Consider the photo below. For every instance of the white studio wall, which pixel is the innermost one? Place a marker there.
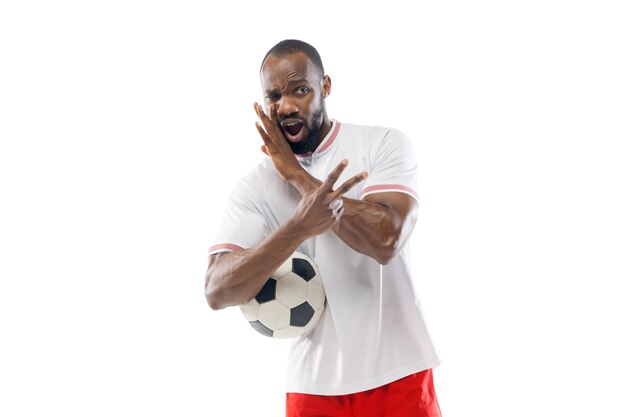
(124, 125)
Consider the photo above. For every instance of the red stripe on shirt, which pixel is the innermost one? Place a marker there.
(228, 246)
(388, 187)
(332, 138)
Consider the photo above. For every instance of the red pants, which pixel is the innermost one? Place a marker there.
(412, 396)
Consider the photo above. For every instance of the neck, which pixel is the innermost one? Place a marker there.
(326, 124)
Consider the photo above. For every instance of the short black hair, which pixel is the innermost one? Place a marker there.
(289, 46)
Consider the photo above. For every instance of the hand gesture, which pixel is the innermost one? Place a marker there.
(275, 145)
(322, 208)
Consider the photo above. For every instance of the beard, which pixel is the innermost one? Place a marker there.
(308, 144)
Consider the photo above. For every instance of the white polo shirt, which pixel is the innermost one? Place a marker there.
(372, 331)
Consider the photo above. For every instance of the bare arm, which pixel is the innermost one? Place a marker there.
(377, 226)
(234, 278)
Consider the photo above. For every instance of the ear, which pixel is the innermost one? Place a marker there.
(326, 84)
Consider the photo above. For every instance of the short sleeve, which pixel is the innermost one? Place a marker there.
(243, 225)
(393, 167)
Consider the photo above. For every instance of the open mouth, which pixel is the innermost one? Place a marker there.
(292, 129)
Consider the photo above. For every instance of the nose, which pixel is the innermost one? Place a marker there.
(286, 106)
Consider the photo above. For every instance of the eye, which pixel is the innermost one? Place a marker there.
(302, 90)
(273, 96)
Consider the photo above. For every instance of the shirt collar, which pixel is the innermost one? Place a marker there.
(326, 143)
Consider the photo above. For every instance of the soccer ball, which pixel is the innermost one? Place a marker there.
(291, 302)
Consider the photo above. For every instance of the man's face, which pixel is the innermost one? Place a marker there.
(296, 87)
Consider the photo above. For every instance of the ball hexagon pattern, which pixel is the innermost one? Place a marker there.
(291, 302)
(291, 290)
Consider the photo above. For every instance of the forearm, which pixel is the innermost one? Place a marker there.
(236, 277)
(369, 228)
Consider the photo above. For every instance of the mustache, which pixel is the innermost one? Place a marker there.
(282, 118)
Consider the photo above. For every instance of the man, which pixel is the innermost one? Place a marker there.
(345, 196)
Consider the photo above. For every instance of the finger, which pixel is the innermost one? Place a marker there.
(334, 175)
(261, 114)
(273, 116)
(258, 109)
(264, 150)
(264, 135)
(269, 122)
(346, 186)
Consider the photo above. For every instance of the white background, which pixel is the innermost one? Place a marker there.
(124, 125)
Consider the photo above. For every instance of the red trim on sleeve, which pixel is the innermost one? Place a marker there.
(228, 246)
(388, 187)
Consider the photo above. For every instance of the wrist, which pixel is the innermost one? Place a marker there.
(293, 231)
(303, 181)
(293, 174)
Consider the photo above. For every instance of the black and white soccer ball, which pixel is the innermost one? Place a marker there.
(291, 302)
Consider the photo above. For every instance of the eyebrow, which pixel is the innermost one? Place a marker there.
(290, 82)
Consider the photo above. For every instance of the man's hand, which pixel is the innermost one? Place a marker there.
(234, 278)
(275, 145)
(322, 207)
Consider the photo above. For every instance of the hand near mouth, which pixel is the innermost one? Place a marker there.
(275, 145)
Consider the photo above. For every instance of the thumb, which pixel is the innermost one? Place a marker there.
(264, 150)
